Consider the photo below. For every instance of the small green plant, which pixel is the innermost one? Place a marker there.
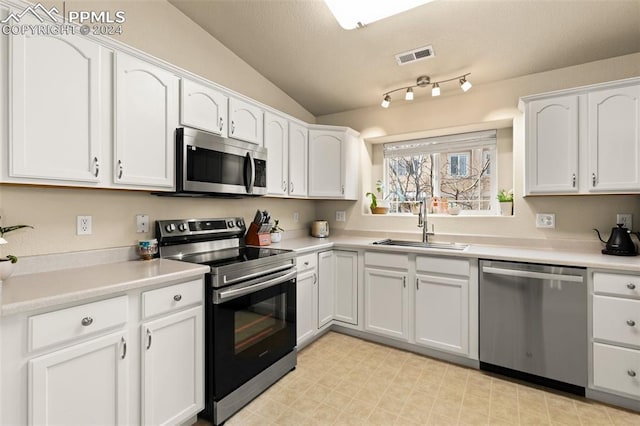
(276, 226)
(505, 196)
(374, 197)
(6, 229)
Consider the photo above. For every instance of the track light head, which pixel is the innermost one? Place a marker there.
(435, 90)
(465, 84)
(386, 101)
(409, 95)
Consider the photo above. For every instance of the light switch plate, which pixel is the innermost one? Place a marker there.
(296, 217)
(142, 223)
(341, 216)
(545, 220)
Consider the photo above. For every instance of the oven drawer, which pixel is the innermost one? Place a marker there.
(306, 262)
(171, 298)
(76, 322)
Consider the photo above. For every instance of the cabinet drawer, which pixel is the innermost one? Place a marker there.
(616, 369)
(306, 262)
(443, 265)
(73, 323)
(174, 297)
(619, 284)
(386, 260)
(616, 320)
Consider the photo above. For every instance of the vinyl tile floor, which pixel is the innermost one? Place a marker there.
(342, 380)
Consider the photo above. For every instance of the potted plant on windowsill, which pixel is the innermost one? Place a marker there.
(276, 232)
(378, 204)
(506, 202)
(7, 263)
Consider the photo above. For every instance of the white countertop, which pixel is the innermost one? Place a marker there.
(588, 259)
(29, 292)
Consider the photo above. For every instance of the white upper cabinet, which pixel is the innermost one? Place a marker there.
(146, 116)
(584, 140)
(55, 101)
(245, 121)
(298, 159)
(203, 108)
(614, 139)
(552, 145)
(276, 140)
(333, 163)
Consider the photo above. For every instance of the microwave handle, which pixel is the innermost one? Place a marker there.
(249, 177)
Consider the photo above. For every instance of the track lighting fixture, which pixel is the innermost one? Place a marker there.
(424, 81)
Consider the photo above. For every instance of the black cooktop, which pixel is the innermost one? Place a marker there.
(218, 258)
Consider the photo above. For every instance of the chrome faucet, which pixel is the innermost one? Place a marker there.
(422, 222)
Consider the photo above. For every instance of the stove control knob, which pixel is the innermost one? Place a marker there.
(182, 227)
(239, 223)
(230, 224)
(170, 227)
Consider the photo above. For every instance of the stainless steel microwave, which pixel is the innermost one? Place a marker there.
(208, 164)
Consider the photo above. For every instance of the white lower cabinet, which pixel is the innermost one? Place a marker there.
(172, 367)
(306, 298)
(346, 286)
(82, 384)
(615, 340)
(326, 287)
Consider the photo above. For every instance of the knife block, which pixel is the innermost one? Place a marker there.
(254, 238)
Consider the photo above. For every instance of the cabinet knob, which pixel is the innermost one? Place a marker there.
(631, 286)
(87, 321)
(631, 373)
(631, 323)
(306, 263)
(177, 297)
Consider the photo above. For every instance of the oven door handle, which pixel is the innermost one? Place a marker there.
(257, 274)
(238, 292)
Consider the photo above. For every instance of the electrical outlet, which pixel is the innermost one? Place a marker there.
(341, 216)
(545, 220)
(626, 219)
(83, 225)
(296, 217)
(142, 223)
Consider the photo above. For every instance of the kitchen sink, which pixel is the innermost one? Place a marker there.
(420, 244)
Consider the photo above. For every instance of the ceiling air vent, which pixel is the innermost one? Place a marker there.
(415, 55)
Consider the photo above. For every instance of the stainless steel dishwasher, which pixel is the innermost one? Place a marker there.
(533, 323)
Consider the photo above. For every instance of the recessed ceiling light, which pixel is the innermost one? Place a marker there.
(352, 14)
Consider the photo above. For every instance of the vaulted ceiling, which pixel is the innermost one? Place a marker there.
(299, 46)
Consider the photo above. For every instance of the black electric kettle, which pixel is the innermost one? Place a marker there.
(619, 243)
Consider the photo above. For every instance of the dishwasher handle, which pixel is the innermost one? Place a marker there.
(530, 274)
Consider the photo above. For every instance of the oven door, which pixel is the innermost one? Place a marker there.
(249, 329)
(207, 163)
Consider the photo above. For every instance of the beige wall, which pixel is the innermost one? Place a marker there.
(453, 112)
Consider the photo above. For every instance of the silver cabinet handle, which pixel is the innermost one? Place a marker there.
(417, 283)
(233, 127)
(593, 179)
(342, 189)
(124, 348)
(221, 124)
(284, 186)
(148, 339)
(631, 286)
(87, 321)
(631, 323)
(404, 282)
(315, 278)
(291, 186)
(120, 169)
(306, 263)
(573, 180)
(97, 166)
(631, 373)
(177, 297)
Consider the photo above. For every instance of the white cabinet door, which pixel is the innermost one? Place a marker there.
(146, 113)
(552, 145)
(298, 159)
(81, 385)
(326, 287)
(55, 99)
(326, 163)
(386, 303)
(276, 140)
(172, 368)
(246, 121)
(614, 139)
(203, 108)
(346, 286)
(442, 313)
(306, 306)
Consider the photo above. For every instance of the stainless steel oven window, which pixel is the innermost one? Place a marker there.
(259, 321)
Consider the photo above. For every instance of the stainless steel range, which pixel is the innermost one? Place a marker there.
(250, 309)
